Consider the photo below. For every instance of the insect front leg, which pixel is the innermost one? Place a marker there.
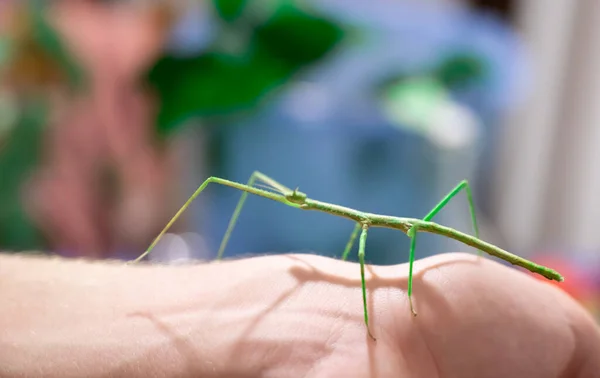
(350, 243)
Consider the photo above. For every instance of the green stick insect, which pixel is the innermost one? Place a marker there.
(294, 198)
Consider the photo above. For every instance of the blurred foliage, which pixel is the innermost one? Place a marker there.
(258, 47)
(38, 57)
(460, 70)
(453, 72)
(51, 44)
(410, 100)
(276, 42)
(229, 10)
(35, 60)
(19, 156)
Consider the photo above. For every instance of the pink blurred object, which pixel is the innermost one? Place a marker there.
(580, 280)
(109, 127)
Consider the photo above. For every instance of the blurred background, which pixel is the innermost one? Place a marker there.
(113, 112)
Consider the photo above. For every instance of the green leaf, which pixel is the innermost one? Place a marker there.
(18, 158)
(297, 37)
(461, 70)
(229, 10)
(219, 83)
(212, 84)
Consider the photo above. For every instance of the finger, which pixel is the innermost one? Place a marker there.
(478, 318)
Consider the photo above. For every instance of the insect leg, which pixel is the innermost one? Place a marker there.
(462, 185)
(217, 180)
(350, 243)
(361, 258)
(256, 175)
(412, 233)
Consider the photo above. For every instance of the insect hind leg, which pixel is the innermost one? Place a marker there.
(350, 243)
(463, 185)
(412, 232)
(256, 176)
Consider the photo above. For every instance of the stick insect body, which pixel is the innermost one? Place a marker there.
(363, 221)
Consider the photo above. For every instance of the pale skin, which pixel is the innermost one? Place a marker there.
(287, 316)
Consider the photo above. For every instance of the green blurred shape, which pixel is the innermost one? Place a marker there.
(461, 70)
(20, 150)
(210, 85)
(19, 156)
(220, 83)
(296, 37)
(229, 10)
(48, 38)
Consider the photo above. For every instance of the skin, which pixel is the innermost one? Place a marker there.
(287, 316)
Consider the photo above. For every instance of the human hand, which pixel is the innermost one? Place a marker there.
(288, 316)
(476, 318)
